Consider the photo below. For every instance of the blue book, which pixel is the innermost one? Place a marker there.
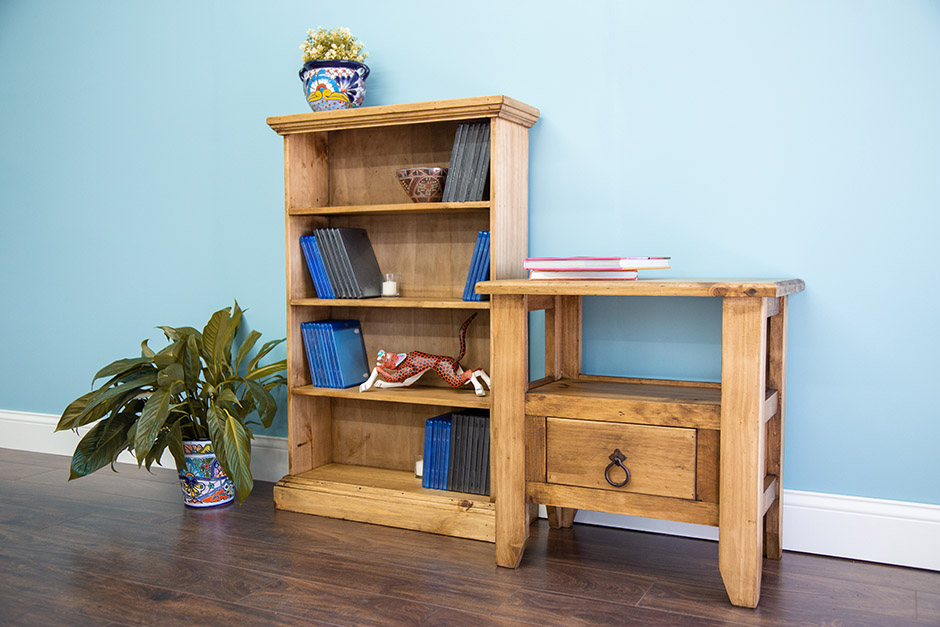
(483, 270)
(445, 451)
(426, 472)
(351, 364)
(307, 331)
(321, 269)
(474, 263)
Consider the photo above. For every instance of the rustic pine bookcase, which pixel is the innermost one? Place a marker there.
(352, 454)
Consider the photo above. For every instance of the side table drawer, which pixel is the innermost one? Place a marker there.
(661, 460)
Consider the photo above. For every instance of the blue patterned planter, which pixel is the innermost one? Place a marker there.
(334, 84)
(202, 480)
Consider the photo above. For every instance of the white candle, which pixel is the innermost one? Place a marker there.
(389, 288)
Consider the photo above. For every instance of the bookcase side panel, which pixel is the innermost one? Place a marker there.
(308, 433)
(509, 195)
(364, 162)
(306, 166)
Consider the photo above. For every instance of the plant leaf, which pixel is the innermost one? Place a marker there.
(145, 350)
(105, 400)
(265, 349)
(246, 347)
(101, 445)
(211, 334)
(174, 441)
(75, 409)
(265, 371)
(264, 403)
(237, 445)
(152, 418)
(121, 366)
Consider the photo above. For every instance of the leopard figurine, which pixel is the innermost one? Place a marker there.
(403, 369)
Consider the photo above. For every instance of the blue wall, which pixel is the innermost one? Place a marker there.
(141, 186)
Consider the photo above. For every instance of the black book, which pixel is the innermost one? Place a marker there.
(482, 167)
(366, 276)
(450, 183)
(486, 455)
(326, 253)
(452, 462)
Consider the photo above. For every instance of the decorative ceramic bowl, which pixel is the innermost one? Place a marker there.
(423, 184)
(334, 84)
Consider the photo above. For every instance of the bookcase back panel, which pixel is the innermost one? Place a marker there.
(384, 435)
(430, 331)
(309, 433)
(429, 253)
(363, 162)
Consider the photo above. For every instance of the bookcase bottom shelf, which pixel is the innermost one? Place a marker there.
(393, 498)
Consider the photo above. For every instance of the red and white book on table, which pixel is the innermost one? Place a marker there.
(595, 264)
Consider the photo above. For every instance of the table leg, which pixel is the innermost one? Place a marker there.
(743, 379)
(777, 380)
(507, 422)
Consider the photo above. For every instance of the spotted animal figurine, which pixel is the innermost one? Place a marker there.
(403, 369)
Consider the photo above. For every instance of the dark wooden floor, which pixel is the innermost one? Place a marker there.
(121, 549)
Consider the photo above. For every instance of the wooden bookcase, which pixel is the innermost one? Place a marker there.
(352, 454)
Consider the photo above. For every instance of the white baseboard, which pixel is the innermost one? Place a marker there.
(875, 530)
(36, 432)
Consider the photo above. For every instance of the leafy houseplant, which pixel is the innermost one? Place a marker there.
(333, 74)
(192, 389)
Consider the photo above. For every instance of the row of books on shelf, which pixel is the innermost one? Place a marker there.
(457, 452)
(479, 267)
(469, 163)
(342, 263)
(336, 353)
(591, 268)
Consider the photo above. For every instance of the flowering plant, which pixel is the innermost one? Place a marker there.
(338, 43)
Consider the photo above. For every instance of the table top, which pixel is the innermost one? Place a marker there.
(751, 288)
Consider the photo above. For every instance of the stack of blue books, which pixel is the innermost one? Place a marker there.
(457, 452)
(479, 267)
(336, 353)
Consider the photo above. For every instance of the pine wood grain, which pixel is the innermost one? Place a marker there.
(743, 288)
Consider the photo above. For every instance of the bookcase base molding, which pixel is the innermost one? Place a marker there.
(703, 453)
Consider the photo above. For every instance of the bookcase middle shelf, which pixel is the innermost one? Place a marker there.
(393, 208)
(414, 395)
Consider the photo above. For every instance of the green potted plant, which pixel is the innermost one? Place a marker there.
(333, 74)
(193, 398)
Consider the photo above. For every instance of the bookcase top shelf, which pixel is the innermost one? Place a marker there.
(501, 107)
(753, 288)
(397, 208)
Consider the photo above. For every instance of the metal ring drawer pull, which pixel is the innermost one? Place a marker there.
(616, 459)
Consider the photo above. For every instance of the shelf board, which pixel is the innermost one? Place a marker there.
(386, 497)
(398, 302)
(415, 395)
(393, 208)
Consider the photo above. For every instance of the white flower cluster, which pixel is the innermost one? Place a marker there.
(338, 43)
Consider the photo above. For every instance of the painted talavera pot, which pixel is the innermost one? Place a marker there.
(202, 480)
(334, 84)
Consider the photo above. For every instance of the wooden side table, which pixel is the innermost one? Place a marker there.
(705, 453)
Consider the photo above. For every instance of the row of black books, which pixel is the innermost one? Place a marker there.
(469, 163)
(457, 452)
(479, 267)
(342, 263)
(336, 353)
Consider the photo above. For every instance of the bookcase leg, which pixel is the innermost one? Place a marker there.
(507, 420)
(743, 377)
